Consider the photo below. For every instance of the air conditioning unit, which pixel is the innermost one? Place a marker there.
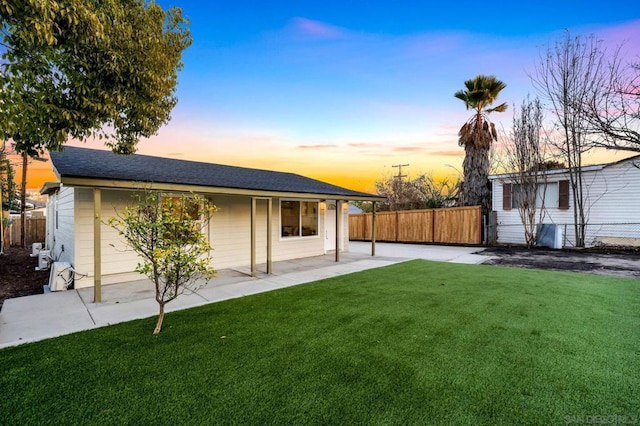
(35, 249)
(61, 276)
(44, 259)
(550, 235)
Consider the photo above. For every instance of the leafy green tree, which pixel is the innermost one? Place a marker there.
(476, 136)
(7, 182)
(167, 233)
(79, 69)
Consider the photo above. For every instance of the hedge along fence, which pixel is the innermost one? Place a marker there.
(456, 225)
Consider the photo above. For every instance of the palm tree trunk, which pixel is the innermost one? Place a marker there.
(475, 191)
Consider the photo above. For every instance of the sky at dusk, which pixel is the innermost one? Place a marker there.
(343, 90)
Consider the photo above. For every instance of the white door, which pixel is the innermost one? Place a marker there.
(330, 227)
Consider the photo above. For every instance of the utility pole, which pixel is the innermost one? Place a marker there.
(23, 199)
(397, 185)
(400, 166)
(2, 158)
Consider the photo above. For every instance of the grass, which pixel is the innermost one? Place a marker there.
(414, 343)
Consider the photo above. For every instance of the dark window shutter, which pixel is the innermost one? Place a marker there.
(563, 194)
(507, 190)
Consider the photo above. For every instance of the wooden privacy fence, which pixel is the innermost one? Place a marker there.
(456, 225)
(35, 231)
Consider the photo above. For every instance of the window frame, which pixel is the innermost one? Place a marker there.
(300, 227)
(199, 222)
(178, 196)
(561, 201)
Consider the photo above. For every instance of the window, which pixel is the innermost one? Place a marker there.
(182, 208)
(554, 194)
(549, 193)
(298, 218)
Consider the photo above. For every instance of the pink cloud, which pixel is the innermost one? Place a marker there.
(316, 29)
(408, 149)
(458, 153)
(364, 145)
(625, 35)
(315, 147)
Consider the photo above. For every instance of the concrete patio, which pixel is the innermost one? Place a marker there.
(33, 318)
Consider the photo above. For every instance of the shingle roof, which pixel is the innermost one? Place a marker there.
(76, 162)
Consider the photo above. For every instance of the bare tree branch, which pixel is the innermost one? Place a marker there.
(573, 70)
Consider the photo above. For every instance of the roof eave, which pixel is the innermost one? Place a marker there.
(173, 187)
(49, 187)
(551, 172)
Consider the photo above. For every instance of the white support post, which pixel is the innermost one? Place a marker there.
(97, 243)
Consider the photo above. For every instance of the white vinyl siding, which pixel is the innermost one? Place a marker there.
(52, 218)
(611, 196)
(118, 261)
(229, 232)
(614, 198)
(62, 241)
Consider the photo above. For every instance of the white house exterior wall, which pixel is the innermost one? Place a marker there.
(510, 229)
(614, 199)
(51, 219)
(229, 233)
(118, 261)
(611, 197)
(61, 241)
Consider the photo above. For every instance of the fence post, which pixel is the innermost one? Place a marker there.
(492, 228)
(373, 229)
(397, 231)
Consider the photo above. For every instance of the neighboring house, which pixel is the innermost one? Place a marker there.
(612, 204)
(262, 216)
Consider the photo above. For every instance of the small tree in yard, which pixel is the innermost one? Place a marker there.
(166, 232)
(526, 158)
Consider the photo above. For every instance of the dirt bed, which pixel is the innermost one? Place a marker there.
(615, 262)
(18, 276)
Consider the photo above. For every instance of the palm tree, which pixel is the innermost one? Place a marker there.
(476, 135)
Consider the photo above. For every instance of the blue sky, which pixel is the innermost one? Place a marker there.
(341, 91)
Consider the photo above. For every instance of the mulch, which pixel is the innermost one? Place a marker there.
(18, 276)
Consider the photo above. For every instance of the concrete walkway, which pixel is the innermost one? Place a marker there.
(32, 318)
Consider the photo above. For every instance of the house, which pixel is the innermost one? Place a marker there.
(262, 216)
(611, 199)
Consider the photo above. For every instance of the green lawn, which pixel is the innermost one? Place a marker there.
(414, 343)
